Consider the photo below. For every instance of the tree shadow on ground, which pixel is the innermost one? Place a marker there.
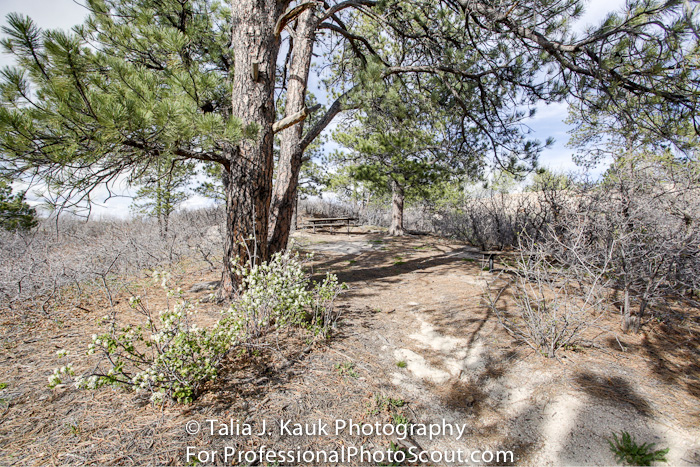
(673, 354)
(523, 436)
(520, 434)
(573, 429)
(612, 406)
(479, 393)
(381, 271)
(613, 390)
(670, 343)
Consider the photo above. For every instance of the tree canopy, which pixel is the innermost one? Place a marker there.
(137, 82)
(149, 79)
(162, 188)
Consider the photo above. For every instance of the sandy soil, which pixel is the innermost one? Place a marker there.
(416, 341)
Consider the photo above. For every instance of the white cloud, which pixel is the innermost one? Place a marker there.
(595, 12)
(555, 111)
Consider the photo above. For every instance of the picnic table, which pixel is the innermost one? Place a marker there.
(331, 222)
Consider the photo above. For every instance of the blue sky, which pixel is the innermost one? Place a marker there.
(547, 122)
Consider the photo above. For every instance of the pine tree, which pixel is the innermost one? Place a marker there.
(162, 188)
(138, 86)
(147, 79)
(15, 213)
(402, 148)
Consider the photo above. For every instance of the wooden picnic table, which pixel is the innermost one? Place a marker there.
(331, 222)
(331, 219)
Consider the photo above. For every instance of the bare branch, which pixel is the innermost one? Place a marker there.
(181, 152)
(290, 120)
(353, 38)
(343, 5)
(338, 106)
(291, 14)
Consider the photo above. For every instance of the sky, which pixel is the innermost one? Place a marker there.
(547, 122)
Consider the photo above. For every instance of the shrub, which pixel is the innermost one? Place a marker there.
(167, 355)
(67, 255)
(170, 356)
(279, 293)
(554, 302)
(275, 294)
(324, 315)
(648, 206)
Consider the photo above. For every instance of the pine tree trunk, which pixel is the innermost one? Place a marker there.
(159, 206)
(291, 152)
(166, 222)
(397, 199)
(248, 176)
(167, 201)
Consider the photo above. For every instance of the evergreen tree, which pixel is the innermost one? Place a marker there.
(545, 179)
(137, 86)
(15, 213)
(402, 148)
(153, 78)
(162, 188)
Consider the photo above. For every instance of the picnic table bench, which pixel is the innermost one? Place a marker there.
(330, 222)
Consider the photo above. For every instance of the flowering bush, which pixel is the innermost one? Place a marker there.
(278, 293)
(324, 314)
(274, 293)
(169, 355)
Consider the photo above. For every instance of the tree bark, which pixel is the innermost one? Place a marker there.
(397, 199)
(284, 194)
(248, 173)
(291, 150)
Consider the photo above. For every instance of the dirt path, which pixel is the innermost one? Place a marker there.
(416, 343)
(424, 308)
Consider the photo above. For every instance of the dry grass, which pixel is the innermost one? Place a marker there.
(656, 376)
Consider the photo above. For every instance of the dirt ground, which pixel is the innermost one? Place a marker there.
(416, 343)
